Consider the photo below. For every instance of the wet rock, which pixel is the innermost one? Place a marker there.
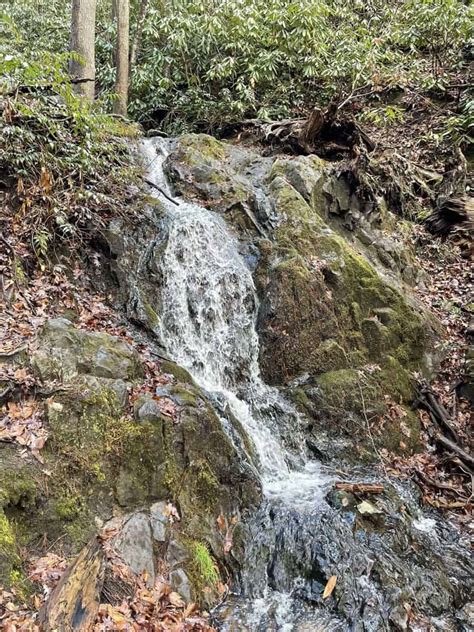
(134, 545)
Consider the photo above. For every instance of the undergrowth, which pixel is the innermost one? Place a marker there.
(65, 166)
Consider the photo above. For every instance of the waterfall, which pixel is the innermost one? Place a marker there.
(302, 533)
(208, 326)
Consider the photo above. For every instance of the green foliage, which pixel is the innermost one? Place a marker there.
(461, 126)
(205, 63)
(205, 571)
(64, 160)
(383, 116)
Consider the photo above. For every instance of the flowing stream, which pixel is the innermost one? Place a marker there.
(208, 326)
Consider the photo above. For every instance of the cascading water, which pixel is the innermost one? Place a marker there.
(208, 325)
(297, 539)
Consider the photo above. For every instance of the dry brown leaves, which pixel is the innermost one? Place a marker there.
(444, 482)
(149, 609)
(22, 423)
(153, 609)
(18, 616)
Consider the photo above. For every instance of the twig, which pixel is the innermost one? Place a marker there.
(438, 412)
(364, 412)
(432, 483)
(155, 186)
(463, 455)
(361, 488)
(251, 217)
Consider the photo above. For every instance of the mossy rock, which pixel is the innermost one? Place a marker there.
(317, 287)
(65, 351)
(199, 168)
(100, 458)
(10, 561)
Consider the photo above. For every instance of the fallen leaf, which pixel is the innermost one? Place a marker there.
(176, 600)
(330, 586)
(221, 522)
(367, 508)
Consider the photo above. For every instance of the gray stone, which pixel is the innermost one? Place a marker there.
(149, 411)
(176, 554)
(135, 547)
(64, 351)
(180, 583)
(159, 521)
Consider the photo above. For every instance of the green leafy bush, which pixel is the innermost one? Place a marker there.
(205, 63)
(65, 167)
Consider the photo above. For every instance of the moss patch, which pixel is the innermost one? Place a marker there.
(202, 569)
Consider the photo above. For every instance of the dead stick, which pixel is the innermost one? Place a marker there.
(155, 186)
(463, 455)
(429, 481)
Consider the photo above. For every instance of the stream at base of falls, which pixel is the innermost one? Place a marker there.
(304, 531)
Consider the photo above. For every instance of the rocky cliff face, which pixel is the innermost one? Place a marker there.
(137, 449)
(121, 437)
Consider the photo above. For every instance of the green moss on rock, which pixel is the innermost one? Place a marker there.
(10, 562)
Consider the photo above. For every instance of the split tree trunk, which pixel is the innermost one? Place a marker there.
(122, 8)
(82, 43)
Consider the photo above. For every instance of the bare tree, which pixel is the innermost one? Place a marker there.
(82, 43)
(122, 8)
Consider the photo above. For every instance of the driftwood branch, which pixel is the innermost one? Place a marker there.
(74, 603)
(428, 400)
(323, 132)
(454, 447)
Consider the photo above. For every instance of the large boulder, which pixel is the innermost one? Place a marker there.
(339, 326)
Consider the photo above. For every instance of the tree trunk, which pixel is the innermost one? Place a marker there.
(137, 40)
(82, 43)
(121, 81)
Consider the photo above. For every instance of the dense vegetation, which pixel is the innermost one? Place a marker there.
(205, 63)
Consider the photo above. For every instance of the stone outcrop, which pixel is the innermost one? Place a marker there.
(107, 455)
(339, 325)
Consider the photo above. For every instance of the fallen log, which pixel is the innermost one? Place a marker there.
(464, 456)
(427, 399)
(74, 603)
(451, 212)
(360, 488)
(327, 133)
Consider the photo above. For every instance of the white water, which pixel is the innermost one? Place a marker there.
(208, 325)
